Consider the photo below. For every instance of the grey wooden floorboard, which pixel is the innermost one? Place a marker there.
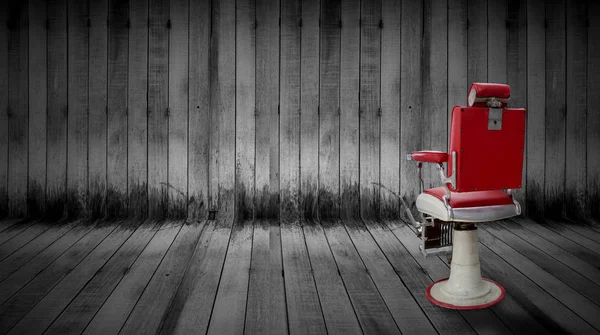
(576, 237)
(10, 238)
(7, 223)
(580, 228)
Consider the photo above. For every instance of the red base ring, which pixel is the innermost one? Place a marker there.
(451, 306)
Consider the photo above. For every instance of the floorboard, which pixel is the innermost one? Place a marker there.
(7, 223)
(13, 231)
(18, 241)
(576, 237)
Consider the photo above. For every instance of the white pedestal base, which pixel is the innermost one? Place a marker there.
(465, 289)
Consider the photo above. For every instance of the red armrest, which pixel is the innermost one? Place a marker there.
(429, 156)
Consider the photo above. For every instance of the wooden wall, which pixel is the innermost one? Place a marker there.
(261, 108)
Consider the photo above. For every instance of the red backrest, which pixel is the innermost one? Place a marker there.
(488, 158)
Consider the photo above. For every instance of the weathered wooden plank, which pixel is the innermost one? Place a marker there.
(15, 229)
(435, 89)
(370, 108)
(37, 95)
(405, 311)
(77, 112)
(309, 105)
(4, 84)
(18, 108)
(580, 234)
(410, 97)
(178, 109)
(114, 311)
(97, 119)
(32, 248)
(516, 76)
(576, 302)
(457, 55)
(555, 109)
(390, 108)
(199, 109)
(304, 313)
(7, 223)
(370, 308)
(18, 279)
(9, 247)
(151, 307)
(229, 310)
(349, 91)
(481, 321)
(158, 119)
(593, 119)
(496, 41)
(574, 280)
(289, 122)
(477, 44)
(536, 108)
(266, 307)
(28, 297)
(137, 111)
(267, 109)
(338, 312)
(329, 110)
(70, 305)
(116, 158)
(245, 98)
(576, 114)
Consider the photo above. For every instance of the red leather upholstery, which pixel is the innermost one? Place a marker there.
(472, 199)
(489, 90)
(429, 156)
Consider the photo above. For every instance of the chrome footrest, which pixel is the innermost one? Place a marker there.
(436, 237)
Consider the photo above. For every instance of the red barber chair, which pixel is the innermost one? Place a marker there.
(485, 164)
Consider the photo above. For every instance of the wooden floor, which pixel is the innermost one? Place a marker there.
(223, 277)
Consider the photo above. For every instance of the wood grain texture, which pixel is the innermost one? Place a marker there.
(289, 120)
(309, 105)
(178, 109)
(329, 111)
(18, 108)
(199, 109)
(137, 110)
(98, 108)
(267, 109)
(158, 119)
(266, 310)
(245, 110)
(457, 55)
(77, 112)
(37, 95)
(15, 229)
(23, 238)
(477, 42)
(536, 108)
(4, 84)
(555, 109)
(349, 124)
(576, 114)
(593, 119)
(516, 77)
(497, 41)
(390, 109)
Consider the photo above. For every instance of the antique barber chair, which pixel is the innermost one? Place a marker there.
(484, 163)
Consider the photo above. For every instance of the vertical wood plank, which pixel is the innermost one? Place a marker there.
(370, 108)
(158, 81)
(309, 104)
(477, 42)
(457, 56)
(555, 108)
(390, 108)
(38, 86)
(435, 89)
(178, 109)
(496, 41)
(57, 108)
(245, 98)
(77, 119)
(4, 84)
(18, 108)
(576, 163)
(199, 110)
(516, 62)
(349, 109)
(267, 114)
(329, 118)
(289, 92)
(137, 112)
(593, 118)
(116, 159)
(98, 62)
(536, 107)
(410, 97)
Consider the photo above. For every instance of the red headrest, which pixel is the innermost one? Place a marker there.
(488, 95)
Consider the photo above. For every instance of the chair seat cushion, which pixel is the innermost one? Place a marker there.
(472, 199)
